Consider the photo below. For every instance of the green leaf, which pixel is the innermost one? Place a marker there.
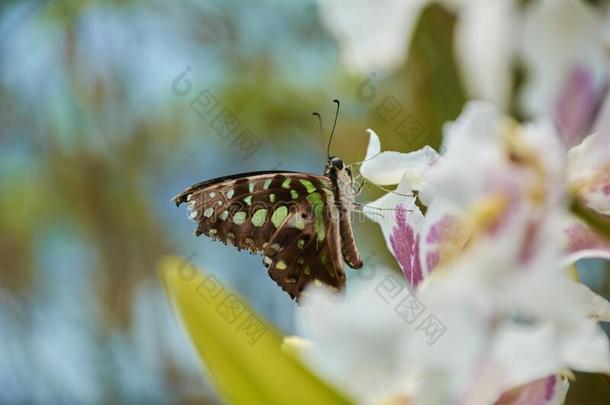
(598, 223)
(241, 350)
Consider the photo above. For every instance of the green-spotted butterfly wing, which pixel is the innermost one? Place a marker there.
(293, 219)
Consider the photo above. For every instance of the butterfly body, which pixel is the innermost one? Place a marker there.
(299, 222)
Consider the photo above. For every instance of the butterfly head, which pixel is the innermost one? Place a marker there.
(339, 173)
(335, 166)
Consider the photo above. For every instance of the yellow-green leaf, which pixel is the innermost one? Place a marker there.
(241, 351)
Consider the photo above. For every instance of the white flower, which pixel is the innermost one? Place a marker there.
(495, 176)
(552, 38)
(495, 338)
(512, 320)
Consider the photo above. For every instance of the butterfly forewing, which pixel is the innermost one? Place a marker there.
(288, 217)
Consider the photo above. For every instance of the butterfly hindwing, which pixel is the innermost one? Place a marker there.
(306, 249)
(288, 217)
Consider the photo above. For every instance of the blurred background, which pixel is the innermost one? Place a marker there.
(110, 108)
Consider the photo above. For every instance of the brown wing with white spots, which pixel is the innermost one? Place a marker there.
(301, 252)
(222, 209)
(239, 210)
(288, 217)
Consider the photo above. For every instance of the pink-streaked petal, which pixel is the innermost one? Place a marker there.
(439, 235)
(561, 35)
(404, 242)
(546, 391)
(438, 231)
(575, 107)
(582, 242)
(401, 221)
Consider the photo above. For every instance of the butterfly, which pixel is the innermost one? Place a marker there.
(300, 223)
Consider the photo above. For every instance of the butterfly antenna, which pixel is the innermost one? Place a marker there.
(317, 114)
(334, 125)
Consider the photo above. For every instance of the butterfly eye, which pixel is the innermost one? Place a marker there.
(338, 163)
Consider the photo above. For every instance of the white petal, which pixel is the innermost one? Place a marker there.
(372, 34)
(472, 152)
(389, 167)
(525, 353)
(451, 352)
(586, 348)
(484, 42)
(588, 158)
(355, 341)
(588, 171)
(595, 305)
(374, 147)
(382, 209)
